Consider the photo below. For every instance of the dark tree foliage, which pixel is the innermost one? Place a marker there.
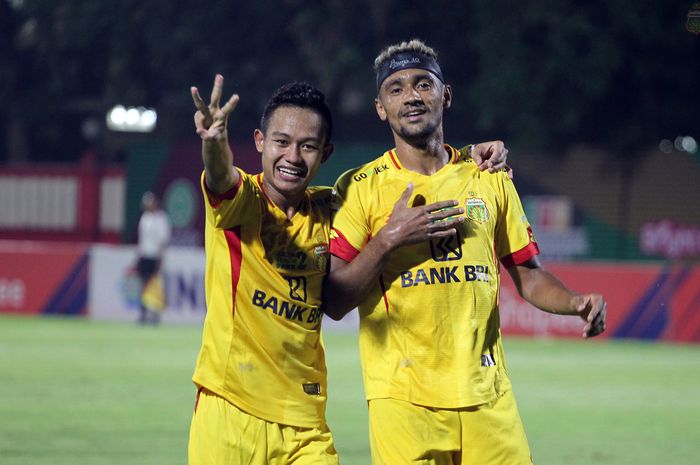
(618, 73)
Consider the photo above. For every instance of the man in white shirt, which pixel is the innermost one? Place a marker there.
(154, 235)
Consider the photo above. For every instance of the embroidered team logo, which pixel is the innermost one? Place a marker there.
(321, 257)
(291, 260)
(297, 288)
(477, 211)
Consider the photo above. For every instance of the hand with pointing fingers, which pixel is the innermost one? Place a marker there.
(210, 121)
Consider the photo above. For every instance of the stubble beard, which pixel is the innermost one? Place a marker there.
(417, 137)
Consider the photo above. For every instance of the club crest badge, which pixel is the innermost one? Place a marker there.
(692, 25)
(477, 211)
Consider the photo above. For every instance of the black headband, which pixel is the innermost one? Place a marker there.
(406, 60)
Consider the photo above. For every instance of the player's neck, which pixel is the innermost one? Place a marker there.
(425, 157)
(288, 204)
(290, 207)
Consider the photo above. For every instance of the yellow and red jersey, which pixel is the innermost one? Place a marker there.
(429, 330)
(261, 345)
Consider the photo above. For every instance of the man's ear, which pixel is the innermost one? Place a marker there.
(259, 138)
(327, 151)
(380, 109)
(447, 97)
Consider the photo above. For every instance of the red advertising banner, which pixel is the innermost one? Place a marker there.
(660, 301)
(43, 278)
(645, 301)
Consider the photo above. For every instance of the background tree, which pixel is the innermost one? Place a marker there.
(620, 74)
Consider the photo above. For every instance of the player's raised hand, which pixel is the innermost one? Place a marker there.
(210, 120)
(591, 308)
(412, 224)
(491, 156)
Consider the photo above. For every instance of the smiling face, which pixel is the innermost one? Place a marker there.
(293, 147)
(412, 101)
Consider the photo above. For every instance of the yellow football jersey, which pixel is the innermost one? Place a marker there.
(429, 330)
(261, 345)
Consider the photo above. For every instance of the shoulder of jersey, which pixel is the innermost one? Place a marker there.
(363, 174)
(467, 160)
(320, 194)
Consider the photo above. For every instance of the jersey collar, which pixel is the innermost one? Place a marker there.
(453, 152)
(304, 205)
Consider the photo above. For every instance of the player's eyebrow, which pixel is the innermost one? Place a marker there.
(287, 136)
(415, 77)
(280, 134)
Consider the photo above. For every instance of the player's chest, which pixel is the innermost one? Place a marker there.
(291, 247)
(479, 202)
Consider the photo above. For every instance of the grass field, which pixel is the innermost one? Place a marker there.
(80, 392)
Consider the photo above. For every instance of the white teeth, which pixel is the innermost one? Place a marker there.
(289, 171)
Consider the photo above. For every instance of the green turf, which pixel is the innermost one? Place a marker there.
(82, 392)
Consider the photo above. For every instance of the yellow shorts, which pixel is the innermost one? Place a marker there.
(489, 434)
(222, 434)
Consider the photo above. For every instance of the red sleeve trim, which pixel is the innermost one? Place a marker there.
(521, 256)
(341, 248)
(216, 199)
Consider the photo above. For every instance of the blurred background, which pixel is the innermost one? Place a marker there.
(597, 101)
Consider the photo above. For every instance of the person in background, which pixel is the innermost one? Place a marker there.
(153, 239)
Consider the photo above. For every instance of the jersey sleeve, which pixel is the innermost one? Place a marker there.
(515, 243)
(350, 230)
(233, 207)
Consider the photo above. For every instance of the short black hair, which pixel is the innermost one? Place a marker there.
(302, 95)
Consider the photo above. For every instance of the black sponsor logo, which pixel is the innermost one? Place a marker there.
(379, 169)
(445, 275)
(442, 275)
(297, 287)
(376, 170)
(446, 248)
(312, 389)
(286, 309)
